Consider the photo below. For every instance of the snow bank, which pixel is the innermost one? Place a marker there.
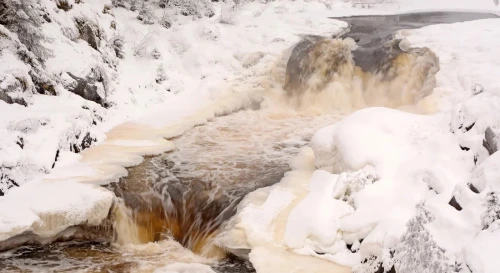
(47, 208)
(271, 219)
(482, 254)
(415, 157)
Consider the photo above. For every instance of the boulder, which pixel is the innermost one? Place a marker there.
(86, 88)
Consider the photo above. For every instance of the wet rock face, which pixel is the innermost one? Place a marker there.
(370, 53)
(86, 88)
(316, 56)
(490, 142)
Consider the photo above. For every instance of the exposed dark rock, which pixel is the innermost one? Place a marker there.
(85, 88)
(89, 33)
(107, 10)
(464, 148)
(5, 97)
(55, 160)
(382, 270)
(6, 180)
(86, 142)
(473, 189)
(20, 142)
(45, 88)
(467, 128)
(453, 202)
(64, 5)
(489, 141)
(234, 264)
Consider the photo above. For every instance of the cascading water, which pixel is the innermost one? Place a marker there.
(171, 206)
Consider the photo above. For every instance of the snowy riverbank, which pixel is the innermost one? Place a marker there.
(362, 178)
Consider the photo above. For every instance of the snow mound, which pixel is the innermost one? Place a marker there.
(482, 255)
(47, 208)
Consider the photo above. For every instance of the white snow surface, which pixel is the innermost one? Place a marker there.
(47, 208)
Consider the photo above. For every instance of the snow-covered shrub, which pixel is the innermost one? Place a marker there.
(25, 17)
(27, 74)
(209, 32)
(118, 3)
(161, 76)
(373, 264)
(418, 252)
(6, 182)
(165, 20)
(146, 15)
(350, 183)
(156, 53)
(134, 5)
(227, 15)
(64, 5)
(13, 87)
(117, 42)
(200, 8)
(108, 10)
(141, 44)
(492, 212)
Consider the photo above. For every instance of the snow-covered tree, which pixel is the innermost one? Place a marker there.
(165, 20)
(156, 53)
(146, 15)
(25, 17)
(418, 252)
(161, 76)
(118, 3)
(492, 212)
(227, 15)
(134, 5)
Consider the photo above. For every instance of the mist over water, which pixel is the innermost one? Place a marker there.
(170, 207)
